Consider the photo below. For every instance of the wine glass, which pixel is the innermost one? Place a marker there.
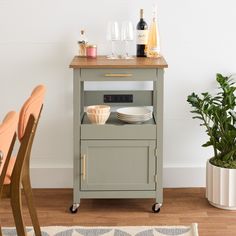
(127, 35)
(113, 35)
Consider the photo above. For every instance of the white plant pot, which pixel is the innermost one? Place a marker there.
(221, 187)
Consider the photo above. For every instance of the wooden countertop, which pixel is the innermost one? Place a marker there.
(103, 62)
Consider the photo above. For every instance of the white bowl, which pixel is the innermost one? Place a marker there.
(98, 109)
(99, 119)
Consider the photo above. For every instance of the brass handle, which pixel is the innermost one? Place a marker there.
(84, 166)
(118, 75)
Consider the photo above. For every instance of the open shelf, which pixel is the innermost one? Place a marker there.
(113, 120)
(116, 129)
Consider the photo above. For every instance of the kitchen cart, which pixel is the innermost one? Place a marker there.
(118, 160)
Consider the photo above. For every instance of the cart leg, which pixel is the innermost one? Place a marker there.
(76, 199)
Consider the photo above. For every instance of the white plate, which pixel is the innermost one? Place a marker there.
(134, 117)
(134, 111)
(134, 121)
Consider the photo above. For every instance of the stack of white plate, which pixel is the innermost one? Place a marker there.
(134, 114)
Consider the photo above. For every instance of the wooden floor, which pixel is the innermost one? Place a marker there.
(181, 207)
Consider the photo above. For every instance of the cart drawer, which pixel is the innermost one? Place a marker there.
(118, 74)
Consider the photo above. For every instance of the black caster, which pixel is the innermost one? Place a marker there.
(156, 207)
(74, 208)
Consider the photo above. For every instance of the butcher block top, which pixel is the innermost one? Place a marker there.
(103, 62)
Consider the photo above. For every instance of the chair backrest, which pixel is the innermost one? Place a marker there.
(7, 133)
(32, 106)
(28, 121)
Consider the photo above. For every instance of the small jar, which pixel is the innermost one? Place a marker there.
(91, 51)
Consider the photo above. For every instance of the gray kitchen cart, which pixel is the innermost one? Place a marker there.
(118, 160)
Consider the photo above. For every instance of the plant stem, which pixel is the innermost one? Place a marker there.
(210, 133)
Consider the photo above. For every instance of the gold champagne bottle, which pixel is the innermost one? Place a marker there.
(153, 45)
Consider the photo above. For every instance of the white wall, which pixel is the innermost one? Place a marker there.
(38, 41)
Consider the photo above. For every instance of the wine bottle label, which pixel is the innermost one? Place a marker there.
(142, 37)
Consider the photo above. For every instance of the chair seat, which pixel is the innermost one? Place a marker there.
(7, 179)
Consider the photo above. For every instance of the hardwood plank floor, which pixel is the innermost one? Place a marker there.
(181, 207)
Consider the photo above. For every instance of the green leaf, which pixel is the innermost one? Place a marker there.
(207, 144)
(197, 117)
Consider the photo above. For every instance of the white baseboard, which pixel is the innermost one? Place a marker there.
(51, 177)
(184, 177)
(173, 177)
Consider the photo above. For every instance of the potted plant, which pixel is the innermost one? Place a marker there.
(217, 115)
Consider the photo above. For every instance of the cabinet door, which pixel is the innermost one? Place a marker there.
(118, 165)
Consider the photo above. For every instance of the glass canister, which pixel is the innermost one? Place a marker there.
(91, 51)
(82, 44)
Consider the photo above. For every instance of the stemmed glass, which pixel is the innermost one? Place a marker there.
(127, 35)
(113, 35)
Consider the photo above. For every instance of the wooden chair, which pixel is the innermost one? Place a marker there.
(27, 125)
(7, 141)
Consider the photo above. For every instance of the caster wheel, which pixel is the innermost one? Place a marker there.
(156, 208)
(74, 208)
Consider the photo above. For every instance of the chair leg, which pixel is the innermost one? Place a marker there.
(29, 198)
(0, 224)
(17, 210)
(0, 199)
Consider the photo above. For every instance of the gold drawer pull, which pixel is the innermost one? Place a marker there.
(84, 166)
(118, 75)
